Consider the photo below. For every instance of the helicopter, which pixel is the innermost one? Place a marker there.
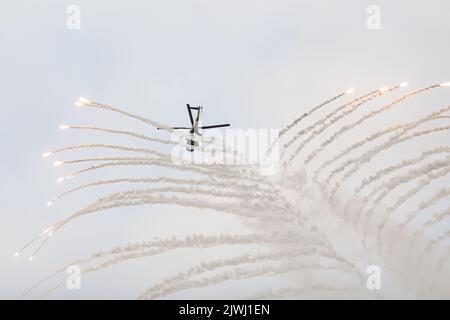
(194, 128)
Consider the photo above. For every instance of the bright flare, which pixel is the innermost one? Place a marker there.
(57, 163)
(45, 155)
(63, 127)
(403, 84)
(351, 90)
(445, 84)
(383, 89)
(83, 100)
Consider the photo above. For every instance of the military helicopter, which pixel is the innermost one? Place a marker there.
(194, 129)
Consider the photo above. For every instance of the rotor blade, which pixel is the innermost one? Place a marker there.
(174, 128)
(216, 126)
(190, 114)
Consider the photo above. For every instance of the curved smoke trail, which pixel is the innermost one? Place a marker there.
(311, 233)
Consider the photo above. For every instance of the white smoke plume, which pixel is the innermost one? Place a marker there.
(299, 223)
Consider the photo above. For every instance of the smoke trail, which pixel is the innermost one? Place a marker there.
(355, 146)
(130, 161)
(268, 193)
(250, 209)
(139, 161)
(144, 137)
(430, 177)
(241, 273)
(253, 205)
(148, 162)
(396, 139)
(311, 111)
(210, 192)
(139, 250)
(121, 132)
(368, 157)
(432, 245)
(334, 120)
(437, 217)
(294, 291)
(303, 116)
(130, 251)
(181, 280)
(153, 123)
(324, 119)
(131, 256)
(444, 192)
(443, 260)
(367, 116)
(233, 177)
(106, 146)
(167, 157)
(267, 203)
(138, 150)
(409, 194)
(170, 285)
(403, 164)
(206, 182)
(236, 195)
(394, 182)
(364, 141)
